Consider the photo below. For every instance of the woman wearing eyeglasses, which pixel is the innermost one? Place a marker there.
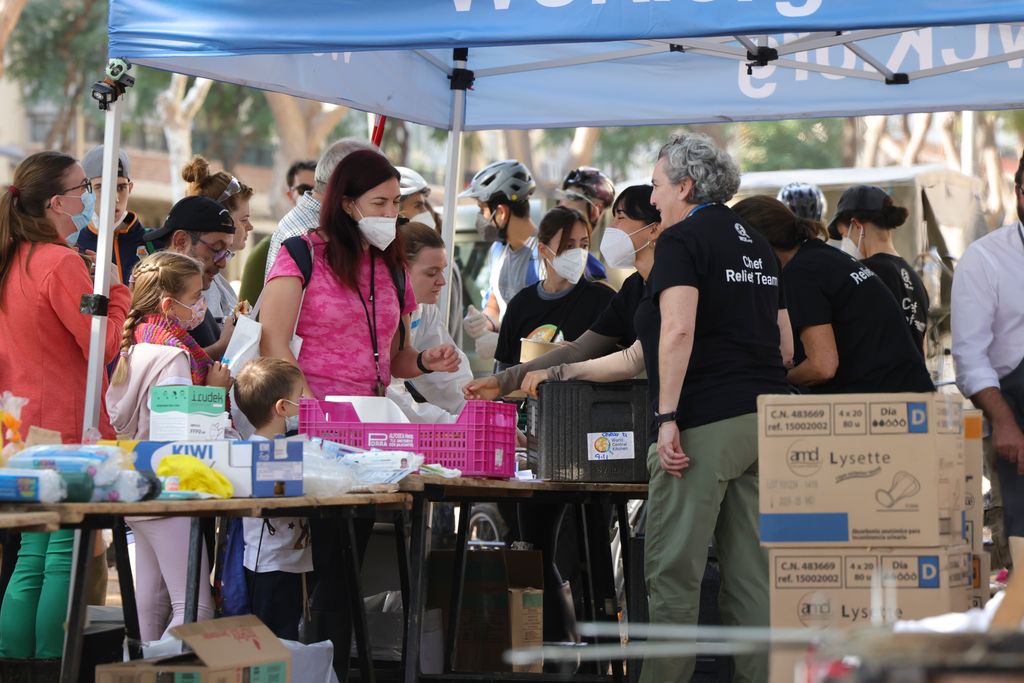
(233, 195)
(44, 358)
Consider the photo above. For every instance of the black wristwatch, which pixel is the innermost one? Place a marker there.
(419, 363)
(662, 418)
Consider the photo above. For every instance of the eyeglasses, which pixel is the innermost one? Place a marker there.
(86, 186)
(302, 189)
(219, 255)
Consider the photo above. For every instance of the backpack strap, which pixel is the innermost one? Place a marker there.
(398, 277)
(301, 251)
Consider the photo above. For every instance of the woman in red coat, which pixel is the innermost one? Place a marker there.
(44, 358)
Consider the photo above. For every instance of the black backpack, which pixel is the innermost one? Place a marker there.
(299, 249)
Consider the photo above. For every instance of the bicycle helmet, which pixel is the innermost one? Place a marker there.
(589, 182)
(508, 177)
(411, 182)
(804, 199)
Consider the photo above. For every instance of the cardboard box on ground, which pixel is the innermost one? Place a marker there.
(502, 605)
(861, 469)
(223, 651)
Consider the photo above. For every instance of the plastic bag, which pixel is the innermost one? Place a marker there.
(10, 425)
(195, 475)
(102, 463)
(31, 486)
(130, 486)
(325, 474)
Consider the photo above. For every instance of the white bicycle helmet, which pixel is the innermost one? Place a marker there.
(508, 177)
(411, 182)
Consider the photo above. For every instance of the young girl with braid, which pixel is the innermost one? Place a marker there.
(156, 350)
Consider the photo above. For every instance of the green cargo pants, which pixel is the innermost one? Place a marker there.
(717, 496)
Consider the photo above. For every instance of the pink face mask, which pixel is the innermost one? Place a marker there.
(198, 313)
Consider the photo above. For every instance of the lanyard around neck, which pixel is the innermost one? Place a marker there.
(371, 321)
(697, 208)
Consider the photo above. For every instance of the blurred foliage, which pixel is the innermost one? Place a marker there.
(779, 145)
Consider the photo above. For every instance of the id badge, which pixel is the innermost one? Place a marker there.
(380, 388)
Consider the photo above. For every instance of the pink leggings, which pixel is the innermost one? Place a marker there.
(161, 566)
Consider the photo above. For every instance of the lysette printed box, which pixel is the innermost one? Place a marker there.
(981, 575)
(861, 469)
(823, 588)
(257, 469)
(186, 412)
(974, 504)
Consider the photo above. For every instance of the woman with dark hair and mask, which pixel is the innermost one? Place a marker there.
(628, 242)
(348, 311)
(867, 217)
(850, 333)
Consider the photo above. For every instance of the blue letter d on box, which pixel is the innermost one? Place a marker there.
(917, 415)
(928, 571)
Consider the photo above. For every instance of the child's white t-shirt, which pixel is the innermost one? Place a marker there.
(285, 542)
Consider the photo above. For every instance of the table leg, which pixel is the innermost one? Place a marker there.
(73, 639)
(350, 574)
(417, 588)
(402, 553)
(626, 554)
(589, 612)
(599, 560)
(458, 581)
(126, 582)
(193, 578)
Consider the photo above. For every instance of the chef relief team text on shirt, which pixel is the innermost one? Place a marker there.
(750, 272)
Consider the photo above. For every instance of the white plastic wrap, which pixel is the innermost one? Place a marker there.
(31, 486)
(103, 463)
(130, 486)
(325, 474)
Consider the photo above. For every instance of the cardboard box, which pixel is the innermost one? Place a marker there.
(981, 576)
(258, 469)
(974, 503)
(526, 623)
(832, 587)
(500, 604)
(861, 469)
(187, 413)
(223, 651)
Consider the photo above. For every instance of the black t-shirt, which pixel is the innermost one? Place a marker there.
(908, 288)
(876, 351)
(529, 315)
(207, 332)
(735, 353)
(617, 319)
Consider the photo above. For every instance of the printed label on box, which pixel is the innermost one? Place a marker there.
(279, 471)
(610, 446)
(813, 419)
(391, 440)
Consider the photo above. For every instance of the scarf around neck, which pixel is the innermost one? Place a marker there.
(154, 328)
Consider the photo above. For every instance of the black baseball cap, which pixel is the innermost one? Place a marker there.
(857, 198)
(194, 214)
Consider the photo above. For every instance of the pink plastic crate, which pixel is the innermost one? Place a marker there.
(481, 442)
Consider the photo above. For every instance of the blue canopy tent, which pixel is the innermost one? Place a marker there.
(485, 64)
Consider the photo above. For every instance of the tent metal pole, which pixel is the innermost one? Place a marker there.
(101, 281)
(453, 173)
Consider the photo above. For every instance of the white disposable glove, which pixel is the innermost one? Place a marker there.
(486, 344)
(475, 323)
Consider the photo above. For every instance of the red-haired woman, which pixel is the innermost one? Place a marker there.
(348, 321)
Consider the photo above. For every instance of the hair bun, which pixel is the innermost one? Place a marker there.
(196, 171)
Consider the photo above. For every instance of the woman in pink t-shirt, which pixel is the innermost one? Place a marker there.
(348, 322)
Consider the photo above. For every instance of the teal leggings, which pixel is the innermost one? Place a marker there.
(36, 603)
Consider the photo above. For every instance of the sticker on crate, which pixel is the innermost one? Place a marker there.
(610, 446)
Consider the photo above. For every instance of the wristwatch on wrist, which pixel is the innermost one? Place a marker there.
(662, 418)
(421, 365)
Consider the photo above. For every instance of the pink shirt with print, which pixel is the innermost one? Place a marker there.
(336, 354)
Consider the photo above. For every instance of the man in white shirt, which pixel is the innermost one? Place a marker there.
(988, 349)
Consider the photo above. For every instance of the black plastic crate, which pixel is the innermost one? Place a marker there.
(565, 414)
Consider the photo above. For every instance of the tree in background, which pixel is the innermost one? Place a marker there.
(176, 108)
(56, 52)
(10, 12)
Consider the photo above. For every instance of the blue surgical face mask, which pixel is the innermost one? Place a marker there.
(291, 422)
(82, 218)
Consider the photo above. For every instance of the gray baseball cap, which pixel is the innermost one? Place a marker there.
(857, 198)
(92, 163)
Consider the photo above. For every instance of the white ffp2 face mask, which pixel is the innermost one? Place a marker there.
(571, 264)
(424, 217)
(847, 246)
(617, 248)
(378, 230)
